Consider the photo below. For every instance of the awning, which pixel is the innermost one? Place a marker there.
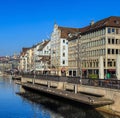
(63, 69)
(111, 70)
(83, 70)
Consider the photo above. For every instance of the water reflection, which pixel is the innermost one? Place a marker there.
(62, 109)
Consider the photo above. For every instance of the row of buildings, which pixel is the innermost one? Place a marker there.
(75, 51)
(9, 63)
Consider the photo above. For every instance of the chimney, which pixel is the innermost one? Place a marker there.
(92, 23)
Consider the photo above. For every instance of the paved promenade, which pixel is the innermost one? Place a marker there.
(91, 100)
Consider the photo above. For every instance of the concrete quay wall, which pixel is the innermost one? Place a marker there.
(109, 93)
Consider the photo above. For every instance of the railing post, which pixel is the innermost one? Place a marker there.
(64, 85)
(48, 83)
(75, 88)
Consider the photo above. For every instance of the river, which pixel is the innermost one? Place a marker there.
(33, 105)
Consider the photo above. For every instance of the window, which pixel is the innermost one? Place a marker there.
(113, 42)
(114, 63)
(109, 63)
(63, 61)
(109, 30)
(113, 30)
(90, 64)
(63, 41)
(116, 51)
(112, 51)
(109, 41)
(63, 54)
(74, 73)
(103, 41)
(70, 73)
(116, 31)
(108, 51)
(117, 41)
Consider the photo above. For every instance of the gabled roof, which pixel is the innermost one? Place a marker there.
(24, 50)
(67, 30)
(43, 45)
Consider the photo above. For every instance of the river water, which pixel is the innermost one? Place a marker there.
(33, 105)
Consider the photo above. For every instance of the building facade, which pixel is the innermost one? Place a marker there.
(59, 50)
(42, 53)
(98, 39)
(23, 64)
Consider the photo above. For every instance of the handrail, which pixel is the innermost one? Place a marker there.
(105, 83)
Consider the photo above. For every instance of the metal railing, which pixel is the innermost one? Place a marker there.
(105, 83)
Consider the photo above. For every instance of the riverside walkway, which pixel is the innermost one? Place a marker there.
(102, 94)
(91, 100)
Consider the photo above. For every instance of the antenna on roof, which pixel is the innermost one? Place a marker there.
(92, 22)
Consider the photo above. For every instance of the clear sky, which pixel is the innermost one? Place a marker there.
(27, 22)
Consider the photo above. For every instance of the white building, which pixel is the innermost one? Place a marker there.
(42, 57)
(59, 49)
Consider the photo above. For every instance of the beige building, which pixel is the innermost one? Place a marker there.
(36, 59)
(98, 39)
(23, 60)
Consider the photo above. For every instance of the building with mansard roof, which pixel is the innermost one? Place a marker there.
(101, 38)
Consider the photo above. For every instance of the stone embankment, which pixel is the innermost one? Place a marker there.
(105, 99)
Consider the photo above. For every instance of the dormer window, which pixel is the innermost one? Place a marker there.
(116, 22)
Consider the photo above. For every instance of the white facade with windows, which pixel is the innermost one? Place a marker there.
(59, 52)
(41, 55)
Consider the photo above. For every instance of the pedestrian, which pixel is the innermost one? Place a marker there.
(80, 81)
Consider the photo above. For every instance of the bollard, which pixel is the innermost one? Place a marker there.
(33, 80)
(64, 86)
(75, 88)
(48, 83)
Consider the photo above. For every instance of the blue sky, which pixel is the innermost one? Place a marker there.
(27, 22)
